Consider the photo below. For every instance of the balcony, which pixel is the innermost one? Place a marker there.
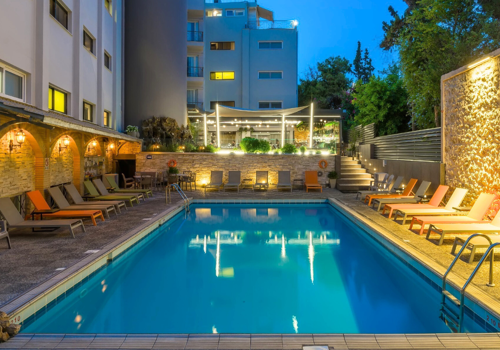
(195, 36)
(263, 24)
(195, 72)
(191, 106)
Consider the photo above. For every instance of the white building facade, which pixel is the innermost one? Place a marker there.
(64, 56)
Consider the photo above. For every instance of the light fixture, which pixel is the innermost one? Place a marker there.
(295, 23)
(112, 146)
(267, 125)
(92, 146)
(223, 126)
(20, 138)
(63, 143)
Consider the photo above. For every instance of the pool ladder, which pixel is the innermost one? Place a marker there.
(449, 314)
(181, 193)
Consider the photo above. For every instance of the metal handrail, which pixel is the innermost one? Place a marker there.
(195, 71)
(181, 193)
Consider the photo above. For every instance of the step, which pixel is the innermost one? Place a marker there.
(350, 162)
(354, 171)
(452, 298)
(347, 181)
(356, 175)
(349, 166)
(449, 318)
(351, 187)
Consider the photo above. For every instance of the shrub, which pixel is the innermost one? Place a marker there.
(189, 147)
(303, 149)
(210, 149)
(173, 147)
(157, 148)
(250, 144)
(318, 152)
(288, 148)
(264, 146)
(332, 175)
(131, 128)
(173, 170)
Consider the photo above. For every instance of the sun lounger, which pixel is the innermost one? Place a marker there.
(479, 242)
(63, 204)
(234, 181)
(475, 215)
(379, 180)
(4, 234)
(116, 189)
(40, 204)
(434, 202)
(215, 180)
(97, 196)
(77, 199)
(424, 186)
(391, 189)
(455, 200)
(261, 180)
(103, 191)
(311, 181)
(284, 180)
(15, 220)
(406, 193)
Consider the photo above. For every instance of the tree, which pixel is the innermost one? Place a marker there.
(307, 87)
(362, 65)
(357, 64)
(383, 101)
(367, 67)
(435, 37)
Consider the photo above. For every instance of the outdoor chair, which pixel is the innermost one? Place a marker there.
(77, 199)
(116, 189)
(41, 205)
(190, 180)
(479, 241)
(379, 179)
(128, 181)
(234, 181)
(104, 191)
(406, 193)
(434, 202)
(391, 188)
(149, 180)
(419, 195)
(4, 234)
(95, 195)
(284, 180)
(15, 220)
(311, 181)
(215, 180)
(63, 204)
(261, 180)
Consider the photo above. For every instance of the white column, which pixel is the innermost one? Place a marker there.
(283, 130)
(205, 130)
(311, 126)
(217, 125)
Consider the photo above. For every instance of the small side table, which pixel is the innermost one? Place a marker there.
(298, 182)
(424, 199)
(247, 183)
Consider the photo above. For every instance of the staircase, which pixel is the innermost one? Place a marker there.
(353, 176)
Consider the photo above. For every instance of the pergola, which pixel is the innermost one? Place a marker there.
(258, 117)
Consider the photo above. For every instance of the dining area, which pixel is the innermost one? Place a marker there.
(160, 180)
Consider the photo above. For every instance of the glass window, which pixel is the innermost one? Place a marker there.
(214, 13)
(263, 105)
(276, 104)
(270, 75)
(88, 42)
(59, 12)
(107, 118)
(13, 85)
(222, 45)
(221, 75)
(1, 80)
(57, 100)
(270, 44)
(221, 103)
(236, 12)
(107, 60)
(88, 112)
(109, 6)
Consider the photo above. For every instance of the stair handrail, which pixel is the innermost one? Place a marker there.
(182, 194)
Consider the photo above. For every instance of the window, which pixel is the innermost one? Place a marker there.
(270, 44)
(107, 60)
(88, 41)
(109, 6)
(11, 83)
(59, 12)
(270, 75)
(222, 45)
(235, 12)
(57, 100)
(271, 105)
(221, 75)
(107, 118)
(88, 112)
(221, 103)
(214, 13)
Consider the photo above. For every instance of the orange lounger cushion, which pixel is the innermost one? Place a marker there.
(312, 181)
(406, 193)
(436, 199)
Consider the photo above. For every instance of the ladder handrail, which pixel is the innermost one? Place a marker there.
(182, 194)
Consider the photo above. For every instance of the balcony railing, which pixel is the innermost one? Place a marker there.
(222, 1)
(264, 24)
(195, 71)
(195, 36)
(195, 105)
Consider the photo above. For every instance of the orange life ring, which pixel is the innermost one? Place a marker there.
(323, 164)
(172, 163)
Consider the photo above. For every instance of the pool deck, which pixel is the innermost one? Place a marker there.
(35, 258)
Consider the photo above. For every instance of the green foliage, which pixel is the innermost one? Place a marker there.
(318, 152)
(189, 147)
(131, 128)
(157, 148)
(383, 101)
(362, 65)
(435, 37)
(264, 146)
(332, 175)
(173, 147)
(288, 148)
(253, 145)
(173, 170)
(303, 149)
(210, 149)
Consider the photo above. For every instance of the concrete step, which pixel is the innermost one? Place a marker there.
(349, 162)
(365, 176)
(351, 187)
(350, 166)
(355, 181)
(349, 171)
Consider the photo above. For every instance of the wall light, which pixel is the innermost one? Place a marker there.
(63, 143)
(20, 138)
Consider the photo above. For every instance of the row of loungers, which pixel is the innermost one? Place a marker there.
(261, 181)
(69, 216)
(443, 220)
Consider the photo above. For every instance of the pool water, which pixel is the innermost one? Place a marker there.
(251, 269)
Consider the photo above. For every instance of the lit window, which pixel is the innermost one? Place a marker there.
(214, 13)
(234, 13)
(221, 75)
(88, 42)
(270, 105)
(107, 118)
(221, 103)
(270, 44)
(270, 75)
(57, 100)
(59, 12)
(107, 60)
(11, 83)
(222, 45)
(109, 6)
(88, 112)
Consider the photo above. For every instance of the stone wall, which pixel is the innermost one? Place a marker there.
(61, 166)
(471, 122)
(17, 169)
(248, 164)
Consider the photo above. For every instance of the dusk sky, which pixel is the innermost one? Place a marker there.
(333, 27)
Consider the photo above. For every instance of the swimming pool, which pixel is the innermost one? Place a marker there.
(247, 268)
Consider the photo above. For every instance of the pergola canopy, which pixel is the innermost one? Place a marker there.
(233, 112)
(266, 14)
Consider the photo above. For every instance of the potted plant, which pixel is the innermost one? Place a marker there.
(332, 175)
(132, 130)
(303, 149)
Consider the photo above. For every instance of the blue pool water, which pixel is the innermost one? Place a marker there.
(251, 269)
